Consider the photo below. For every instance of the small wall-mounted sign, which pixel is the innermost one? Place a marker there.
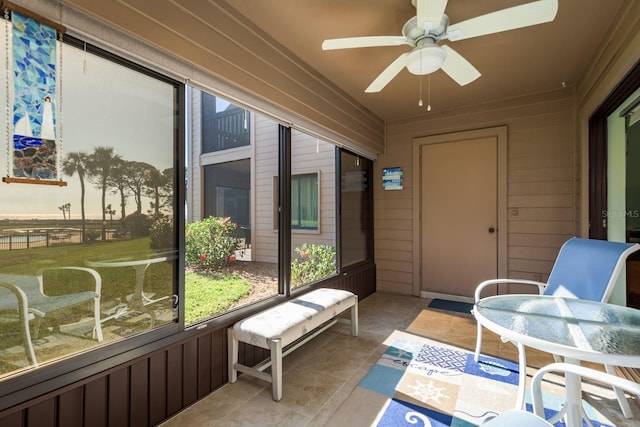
(392, 178)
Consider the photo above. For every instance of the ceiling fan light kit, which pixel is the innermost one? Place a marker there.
(424, 31)
(426, 59)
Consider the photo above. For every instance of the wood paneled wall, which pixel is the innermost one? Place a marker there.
(542, 180)
(149, 389)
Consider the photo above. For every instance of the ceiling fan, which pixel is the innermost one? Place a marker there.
(424, 31)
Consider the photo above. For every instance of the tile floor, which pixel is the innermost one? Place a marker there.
(321, 374)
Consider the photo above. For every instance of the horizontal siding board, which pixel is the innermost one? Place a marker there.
(392, 245)
(538, 240)
(393, 255)
(542, 214)
(542, 227)
(538, 175)
(397, 266)
(535, 253)
(538, 161)
(549, 147)
(394, 214)
(398, 224)
(394, 276)
(542, 187)
(405, 236)
(541, 201)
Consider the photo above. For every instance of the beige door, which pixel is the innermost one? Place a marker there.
(458, 219)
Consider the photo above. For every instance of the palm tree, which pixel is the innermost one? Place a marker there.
(99, 166)
(119, 182)
(136, 180)
(76, 163)
(155, 182)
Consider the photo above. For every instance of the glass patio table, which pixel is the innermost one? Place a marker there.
(139, 300)
(578, 330)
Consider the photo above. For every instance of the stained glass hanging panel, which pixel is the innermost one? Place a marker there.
(34, 97)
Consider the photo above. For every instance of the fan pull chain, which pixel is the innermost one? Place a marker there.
(429, 93)
(420, 100)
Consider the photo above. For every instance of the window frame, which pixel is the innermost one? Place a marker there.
(25, 385)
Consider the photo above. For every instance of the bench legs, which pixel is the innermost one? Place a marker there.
(232, 355)
(354, 319)
(277, 353)
(276, 369)
(275, 362)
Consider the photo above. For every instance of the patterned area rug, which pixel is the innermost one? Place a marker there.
(428, 383)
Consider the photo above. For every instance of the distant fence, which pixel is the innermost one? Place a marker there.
(27, 239)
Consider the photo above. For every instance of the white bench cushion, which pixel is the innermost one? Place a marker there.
(293, 319)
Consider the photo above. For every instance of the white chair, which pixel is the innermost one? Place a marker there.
(527, 419)
(23, 295)
(585, 269)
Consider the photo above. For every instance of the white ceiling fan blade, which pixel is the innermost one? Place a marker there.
(371, 41)
(388, 74)
(537, 12)
(458, 68)
(429, 13)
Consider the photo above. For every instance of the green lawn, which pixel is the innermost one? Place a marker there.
(210, 294)
(206, 294)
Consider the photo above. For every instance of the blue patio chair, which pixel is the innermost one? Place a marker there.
(584, 268)
(527, 419)
(22, 298)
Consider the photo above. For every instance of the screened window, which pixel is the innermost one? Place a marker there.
(103, 246)
(304, 202)
(224, 125)
(356, 203)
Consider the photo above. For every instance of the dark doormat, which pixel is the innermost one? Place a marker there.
(457, 306)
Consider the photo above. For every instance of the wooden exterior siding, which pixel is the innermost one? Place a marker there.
(305, 160)
(541, 180)
(147, 390)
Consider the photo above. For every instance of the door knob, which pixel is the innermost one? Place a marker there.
(492, 230)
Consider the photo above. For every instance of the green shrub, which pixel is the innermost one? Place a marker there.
(161, 233)
(313, 263)
(137, 224)
(211, 243)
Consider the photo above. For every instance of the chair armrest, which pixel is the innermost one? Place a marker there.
(583, 372)
(489, 282)
(96, 277)
(23, 301)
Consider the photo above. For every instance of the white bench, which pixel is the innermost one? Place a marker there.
(279, 326)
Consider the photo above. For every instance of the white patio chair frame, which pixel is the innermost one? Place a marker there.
(521, 418)
(34, 304)
(574, 265)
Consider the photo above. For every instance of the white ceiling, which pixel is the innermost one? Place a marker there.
(515, 63)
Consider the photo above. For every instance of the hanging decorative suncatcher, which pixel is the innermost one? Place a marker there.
(32, 86)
